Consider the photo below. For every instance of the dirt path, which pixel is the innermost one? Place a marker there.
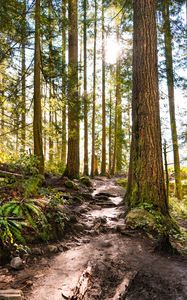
(116, 257)
(102, 259)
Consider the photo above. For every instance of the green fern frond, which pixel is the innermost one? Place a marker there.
(33, 208)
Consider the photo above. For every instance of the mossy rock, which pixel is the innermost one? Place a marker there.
(71, 185)
(86, 181)
(140, 218)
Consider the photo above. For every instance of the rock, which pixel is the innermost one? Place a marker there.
(86, 241)
(78, 227)
(44, 261)
(17, 263)
(11, 294)
(105, 244)
(37, 251)
(95, 207)
(77, 199)
(52, 248)
(86, 181)
(60, 248)
(71, 185)
(100, 198)
(121, 228)
(61, 189)
(141, 218)
(87, 196)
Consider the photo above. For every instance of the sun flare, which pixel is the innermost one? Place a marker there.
(113, 50)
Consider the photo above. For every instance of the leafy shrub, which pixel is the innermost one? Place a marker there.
(56, 215)
(56, 167)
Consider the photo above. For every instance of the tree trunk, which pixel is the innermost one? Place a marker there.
(146, 175)
(37, 122)
(110, 135)
(72, 167)
(23, 80)
(85, 92)
(118, 112)
(103, 160)
(94, 93)
(170, 84)
(64, 83)
(51, 92)
(115, 140)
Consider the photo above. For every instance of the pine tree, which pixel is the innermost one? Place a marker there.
(170, 84)
(72, 167)
(37, 122)
(94, 92)
(85, 91)
(146, 176)
(103, 159)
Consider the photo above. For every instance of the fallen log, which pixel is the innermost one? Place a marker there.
(9, 174)
(82, 286)
(122, 289)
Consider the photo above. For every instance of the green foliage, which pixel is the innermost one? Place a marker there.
(56, 199)
(26, 209)
(56, 167)
(122, 181)
(10, 229)
(31, 185)
(24, 163)
(55, 215)
(178, 208)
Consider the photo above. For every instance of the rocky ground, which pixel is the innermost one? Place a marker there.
(100, 258)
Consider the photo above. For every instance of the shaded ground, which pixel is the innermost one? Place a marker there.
(123, 264)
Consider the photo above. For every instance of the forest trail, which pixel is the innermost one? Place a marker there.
(104, 260)
(117, 258)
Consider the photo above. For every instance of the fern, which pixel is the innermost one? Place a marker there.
(26, 209)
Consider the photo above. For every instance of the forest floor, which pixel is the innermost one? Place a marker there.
(102, 259)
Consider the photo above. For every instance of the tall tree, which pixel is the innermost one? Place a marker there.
(118, 109)
(37, 121)
(94, 92)
(85, 91)
(146, 176)
(51, 91)
(72, 167)
(64, 82)
(171, 96)
(110, 136)
(103, 159)
(23, 78)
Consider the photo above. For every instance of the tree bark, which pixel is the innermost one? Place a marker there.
(85, 92)
(37, 122)
(119, 111)
(170, 84)
(94, 92)
(64, 84)
(146, 176)
(72, 167)
(110, 136)
(103, 159)
(23, 79)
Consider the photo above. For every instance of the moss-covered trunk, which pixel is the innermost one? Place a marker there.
(146, 176)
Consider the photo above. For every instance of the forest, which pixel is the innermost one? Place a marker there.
(93, 161)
